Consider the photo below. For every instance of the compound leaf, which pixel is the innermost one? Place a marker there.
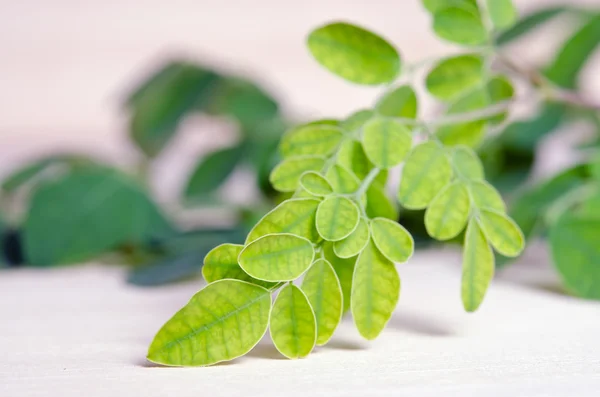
(375, 292)
(354, 53)
(392, 239)
(337, 217)
(286, 176)
(277, 257)
(502, 232)
(354, 243)
(478, 267)
(223, 321)
(447, 214)
(386, 142)
(222, 263)
(324, 292)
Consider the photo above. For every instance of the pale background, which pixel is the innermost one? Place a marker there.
(64, 68)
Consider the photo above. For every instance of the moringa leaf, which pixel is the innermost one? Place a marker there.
(351, 156)
(223, 321)
(324, 292)
(460, 25)
(356, 120)
(378, 203)
(64, 211)
(485, 196)
(392, 240)
(375, 292)
(502, 13)
(399, 102)
(337, 218)
(277, 257)
(342, 180)
(354, 243)
(354, 53)
(448, 212)
(295, 216)
(434, 6)
(502, 232)
(454, 76)
(211, 171)
(426, 171)
(292, 324)
(315, 184)
(344, 269)
(570, 60)
(311, 139)
(286, 176)
(386, 142)
(528, 23)
(576, 252)
(467, 163)
(222, 263)
(478, 267)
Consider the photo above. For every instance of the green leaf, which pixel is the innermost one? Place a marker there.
(223, 321)
(222, 263)
(351, 156)
(379, 204)
(525, 135)
(484, 196)
(434, 6)
(502, 232)
(277, 257)
(356, 120)
(211, 171)
(502, 13)
(315, 184)
(375, 292)
(576, 253)
(392, 240)
(469, 134)
(448, 212)
(294, 216)
(286, 176)
(324, 292)
(570, 60)
(342, 180)
(86, 213)
(354, 243)
(354, 53)
(454, 76)
(337, 218)
(426, 171)
(399, 102)
(311, 139)
(528, 23)
(344, 269)
(460, 25)
(467, 163)
(292, 325)
(386, 142)
(161, 105)
(478, 267)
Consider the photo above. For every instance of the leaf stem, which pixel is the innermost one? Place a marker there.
(366, 183)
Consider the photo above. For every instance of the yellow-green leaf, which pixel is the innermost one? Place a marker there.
(277, 257)
(351, 156)
(386, 142)
(354, 53)
(399, 102)
(324, 292)
(434, 6)
(392, 240)
(344, 268)
(426, 171)
(478, 267)
(222, 262)
(342, 180)
(467, 163)
(502, 232)
(469, 134)
(311, 139)
(315, 184)
(292, 325)
(223, 321)
(354, 243)
(448, 212)
(375, 292)
(337, 217)
(485, 196)
(286, 175)
(356, 120)
(502, 13)
(379, 204)
(295, 216)
(460, 25)
(454, 76)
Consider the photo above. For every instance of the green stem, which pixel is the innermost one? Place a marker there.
(366, 183)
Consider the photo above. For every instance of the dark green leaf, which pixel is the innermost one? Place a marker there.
(86, 213)
(528, 23)
(167, 270)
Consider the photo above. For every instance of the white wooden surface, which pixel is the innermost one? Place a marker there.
(83, 332)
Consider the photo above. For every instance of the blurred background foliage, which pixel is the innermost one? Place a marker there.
(70, 208)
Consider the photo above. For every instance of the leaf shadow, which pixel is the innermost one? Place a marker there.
(265, 351)
(418, 325)
(344, 345)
